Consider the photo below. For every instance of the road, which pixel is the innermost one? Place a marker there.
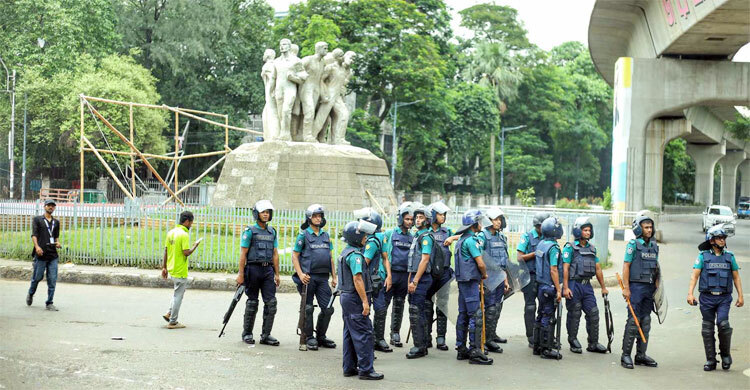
(73, 348)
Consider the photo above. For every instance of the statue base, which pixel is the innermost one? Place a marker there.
(294, 175)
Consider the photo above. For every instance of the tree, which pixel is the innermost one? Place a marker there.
(740, 128)
(679, 171)
(496, 24)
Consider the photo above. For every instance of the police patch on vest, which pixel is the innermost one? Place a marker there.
(718, 266)
(648, 255)
(318, 246)
(264, 238)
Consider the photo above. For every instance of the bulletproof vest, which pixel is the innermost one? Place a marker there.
(466, 267)
(315, 257)
(415, 254)
(440, 236)
(497, 248)
(583, 263)
(346, 279)
(261, 245)
(374, 265)
(400, 244)
(543, 274)
(716, 275)
(533, 242)
(645, 263)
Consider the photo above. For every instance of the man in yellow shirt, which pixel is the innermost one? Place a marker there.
(176, 251)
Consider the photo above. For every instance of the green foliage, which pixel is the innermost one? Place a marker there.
(495, 23)
(607, 199)
(526, 196)
(740, 128)
(565, 203)
(319, 29)
(679, 172)
(364, 131)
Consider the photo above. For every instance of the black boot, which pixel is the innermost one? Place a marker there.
(498, 339)
(251, 309)
(312, 343)
(324, 318)
(269, 313)
(429, 313)
(725, 344)
(549, 343)
(476, 356)
(709, 344)
(490, 344)
(442, 329)
(641, 359)
(536, 339)
(463, 353)
(418, 334)
(592, 328)
(572, 324)
(379, 330)
(628, 338)
(397, 314)
(528, 319)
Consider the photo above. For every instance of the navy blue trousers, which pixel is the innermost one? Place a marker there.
(259, 279)
(546, 296)
(468, 304)
(318, 288)
(715, 307)
(642, 299)
(358, 340)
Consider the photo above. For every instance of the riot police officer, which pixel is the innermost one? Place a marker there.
(313, 262)
(496, 246)
(580, 264)
(715, 269)
(398, 241)
(379, 270)
(470, 271)
(640, 272)
(259, 270)
(355, 306)
(550, 291)
(425, 264)
(526, 255)
(437, 213)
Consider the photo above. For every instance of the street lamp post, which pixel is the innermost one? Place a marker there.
(10, 82)
(502, 156)
(394, 147)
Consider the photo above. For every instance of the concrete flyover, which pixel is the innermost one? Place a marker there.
(670, 63)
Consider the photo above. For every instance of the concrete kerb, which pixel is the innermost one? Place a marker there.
(130, 277)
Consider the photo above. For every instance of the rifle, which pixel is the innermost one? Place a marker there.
(232, 305)
(610, 324)
(558, 326)
(335, 293)
(632, 312)
(302, 320)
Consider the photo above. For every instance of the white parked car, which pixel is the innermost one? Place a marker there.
(715, 215)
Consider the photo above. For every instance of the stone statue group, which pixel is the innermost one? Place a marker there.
(305, 96)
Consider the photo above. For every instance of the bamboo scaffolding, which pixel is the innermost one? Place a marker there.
(196, 179)
(121, 153)
(176, 147)
(81, 146)
(124, 139)
(106, 166)
(132, 140)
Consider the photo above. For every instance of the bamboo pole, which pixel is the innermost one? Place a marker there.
(207, 154)
(132, 159)
(96, 99)
(226, 131)
(81, 142)
(176, 146)
(148, 165)
(210, 121)
(196, 179)
(375, 201)
(121, 153)
(106, 166)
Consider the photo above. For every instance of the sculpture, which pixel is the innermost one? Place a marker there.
(304, 96)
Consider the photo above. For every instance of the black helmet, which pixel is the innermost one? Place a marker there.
(355, 231)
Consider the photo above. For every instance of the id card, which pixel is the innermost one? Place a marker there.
(52, 240)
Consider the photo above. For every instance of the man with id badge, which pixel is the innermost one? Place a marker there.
(45, 232)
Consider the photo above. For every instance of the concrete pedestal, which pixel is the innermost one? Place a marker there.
(745, 179)
(705, 157)
(294, 175)
(729, 164)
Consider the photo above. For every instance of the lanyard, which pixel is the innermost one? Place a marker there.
(50, 229)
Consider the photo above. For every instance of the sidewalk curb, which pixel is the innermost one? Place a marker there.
(148, 279)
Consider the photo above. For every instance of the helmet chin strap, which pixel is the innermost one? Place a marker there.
(713, 244)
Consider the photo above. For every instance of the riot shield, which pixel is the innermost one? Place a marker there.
(495, 273)
(660, 299)
(518, 277)
(446, 299)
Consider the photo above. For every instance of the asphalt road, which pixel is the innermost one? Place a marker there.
(73, 348)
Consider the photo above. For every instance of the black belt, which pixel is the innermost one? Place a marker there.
(714, 292)
(261, 264)
(582, 281)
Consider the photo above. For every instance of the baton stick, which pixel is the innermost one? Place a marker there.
(481, 302)
(632, 312)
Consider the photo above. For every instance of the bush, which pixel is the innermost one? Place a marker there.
(607, 199)
(526, 197)
(565, 203)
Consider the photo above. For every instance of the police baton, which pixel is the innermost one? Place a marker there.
(481, 305)
(632, 312)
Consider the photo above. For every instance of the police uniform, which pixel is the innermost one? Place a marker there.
(547, 255)
(315, 260)
(496, 246)
(398, 241)
(583, 261)
(468, 276)
(644, 267)
(358, 337)
(424, 291)
(528, 244)
(439, 235)
(373, 252)
(715, 286)
(259, 277)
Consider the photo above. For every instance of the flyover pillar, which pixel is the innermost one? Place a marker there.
(729, 164)
(745, 180)
(658, 133)
(705, 158)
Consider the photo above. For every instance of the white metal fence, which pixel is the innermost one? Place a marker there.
(133, 234)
